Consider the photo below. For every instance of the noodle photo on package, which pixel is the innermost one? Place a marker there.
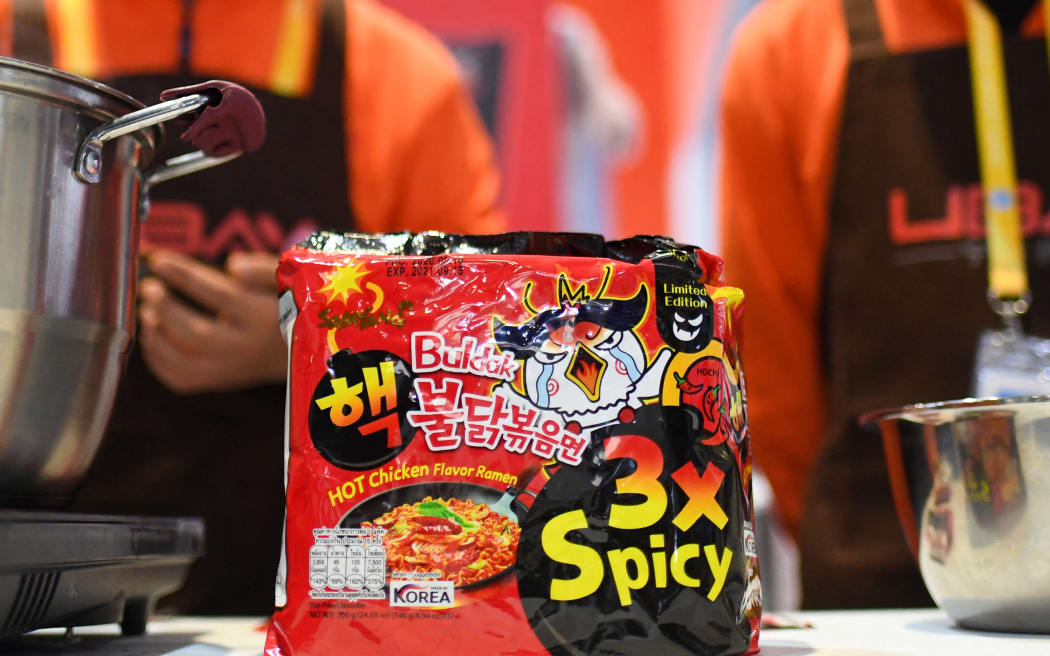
(466, 541)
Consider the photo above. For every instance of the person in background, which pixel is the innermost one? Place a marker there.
(369, 129)
(850, 192)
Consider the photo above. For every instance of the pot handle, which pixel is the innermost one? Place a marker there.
(230, 122)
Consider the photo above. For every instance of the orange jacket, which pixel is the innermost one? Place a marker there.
(419, 156)
(781, 110)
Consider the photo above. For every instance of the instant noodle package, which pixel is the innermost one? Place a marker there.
(527, 444)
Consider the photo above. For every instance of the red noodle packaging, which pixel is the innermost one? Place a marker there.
(528, 444)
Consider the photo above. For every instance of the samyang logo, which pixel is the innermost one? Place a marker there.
(421, 593)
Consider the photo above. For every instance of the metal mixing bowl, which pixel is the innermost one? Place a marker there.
(971, 482)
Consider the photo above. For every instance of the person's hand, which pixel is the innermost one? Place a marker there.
(240, 345)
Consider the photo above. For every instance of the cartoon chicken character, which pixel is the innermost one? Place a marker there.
(581, 357)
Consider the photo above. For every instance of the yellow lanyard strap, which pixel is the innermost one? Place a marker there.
(1007, 272)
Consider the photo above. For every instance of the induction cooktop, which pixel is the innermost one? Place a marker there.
(65, 570)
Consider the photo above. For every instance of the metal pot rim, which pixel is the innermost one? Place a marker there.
(932, 411)
(87, 96)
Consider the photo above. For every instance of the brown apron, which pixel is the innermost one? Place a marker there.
(905, 283)
(220, 456)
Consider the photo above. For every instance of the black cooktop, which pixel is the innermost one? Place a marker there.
(65, 570)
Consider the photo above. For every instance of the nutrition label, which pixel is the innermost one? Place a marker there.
(348, 563)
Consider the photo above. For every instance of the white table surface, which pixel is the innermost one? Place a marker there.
(894, 633)
(180, 636)
(839, 633)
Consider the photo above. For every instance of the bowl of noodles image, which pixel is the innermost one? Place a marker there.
(449, 528)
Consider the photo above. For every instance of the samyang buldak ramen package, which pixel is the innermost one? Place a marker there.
(528, 444)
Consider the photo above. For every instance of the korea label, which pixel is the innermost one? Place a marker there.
(422, 593)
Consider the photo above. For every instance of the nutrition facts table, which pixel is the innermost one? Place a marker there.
(348, 563)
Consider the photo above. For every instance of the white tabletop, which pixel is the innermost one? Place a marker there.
(179, 636)
(840, 633)
(894, 633)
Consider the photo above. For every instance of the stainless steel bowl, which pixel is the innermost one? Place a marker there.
(971, 482)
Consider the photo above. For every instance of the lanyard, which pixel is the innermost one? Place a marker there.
(1007, 272)
(186, 36)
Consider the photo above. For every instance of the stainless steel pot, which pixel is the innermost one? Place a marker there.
(74, 173)
(971, 482)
